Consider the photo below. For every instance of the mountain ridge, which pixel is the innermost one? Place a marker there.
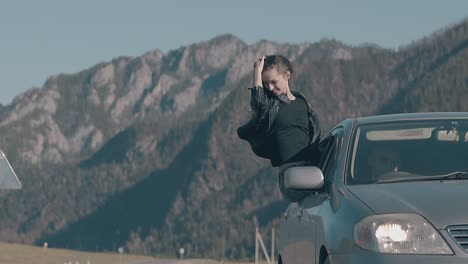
(96, 148)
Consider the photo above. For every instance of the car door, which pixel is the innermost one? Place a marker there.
(307, 213)
(288, 232)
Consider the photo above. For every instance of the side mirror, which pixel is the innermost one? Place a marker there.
(303, 178)
(8, 178)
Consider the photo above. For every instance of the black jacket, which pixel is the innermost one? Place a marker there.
(265, 107)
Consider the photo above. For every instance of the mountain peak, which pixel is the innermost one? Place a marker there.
(223, 38)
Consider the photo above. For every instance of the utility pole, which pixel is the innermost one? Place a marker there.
(256, 245)
(272, 245)
(258, 239)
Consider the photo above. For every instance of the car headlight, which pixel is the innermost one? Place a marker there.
(399, 234)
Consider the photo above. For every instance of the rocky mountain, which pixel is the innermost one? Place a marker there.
(143, 153)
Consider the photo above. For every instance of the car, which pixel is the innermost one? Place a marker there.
(8, 178)
(387, 189)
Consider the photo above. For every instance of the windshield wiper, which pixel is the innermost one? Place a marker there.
(456, 175)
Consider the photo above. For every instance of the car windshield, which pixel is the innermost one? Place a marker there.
(409, 151)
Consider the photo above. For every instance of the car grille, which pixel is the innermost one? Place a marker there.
(460, 235)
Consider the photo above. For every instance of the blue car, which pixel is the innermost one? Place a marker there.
(388, 189)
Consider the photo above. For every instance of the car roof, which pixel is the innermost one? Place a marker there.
(411, 116)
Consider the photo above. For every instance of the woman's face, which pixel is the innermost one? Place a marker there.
(275, 82)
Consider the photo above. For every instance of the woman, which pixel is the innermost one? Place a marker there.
(284, 128)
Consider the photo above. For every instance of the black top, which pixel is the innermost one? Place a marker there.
(290, 133)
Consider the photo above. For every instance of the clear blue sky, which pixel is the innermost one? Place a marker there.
(47, 37)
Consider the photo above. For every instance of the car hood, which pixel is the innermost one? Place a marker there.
(442, 203)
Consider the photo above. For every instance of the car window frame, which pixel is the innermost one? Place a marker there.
(328, 161)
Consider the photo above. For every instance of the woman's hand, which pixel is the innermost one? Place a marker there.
(258, 68)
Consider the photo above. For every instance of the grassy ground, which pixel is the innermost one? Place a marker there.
(24, 254)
